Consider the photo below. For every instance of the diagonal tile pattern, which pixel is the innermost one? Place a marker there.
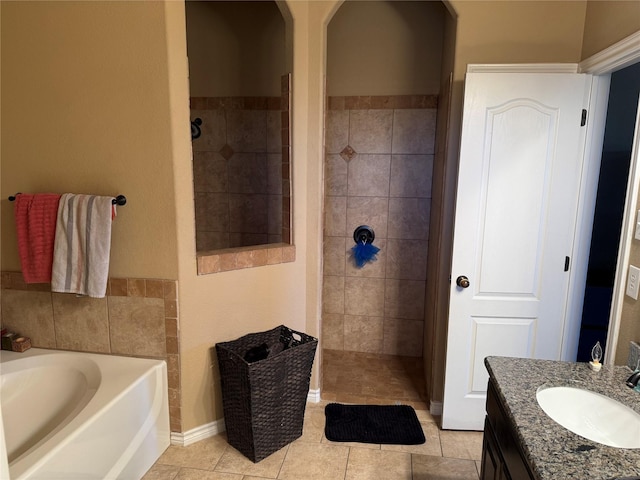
(444, 456)
(347, 153)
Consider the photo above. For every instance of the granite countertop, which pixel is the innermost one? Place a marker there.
(552, 451)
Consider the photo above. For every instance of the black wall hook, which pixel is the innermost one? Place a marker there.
(364, 234)
(195, 128)
(119, 200)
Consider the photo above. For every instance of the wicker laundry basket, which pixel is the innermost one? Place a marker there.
(264, 400)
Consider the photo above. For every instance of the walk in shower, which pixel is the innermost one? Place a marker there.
(383, 79)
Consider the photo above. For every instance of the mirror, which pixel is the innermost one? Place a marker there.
(240, 110)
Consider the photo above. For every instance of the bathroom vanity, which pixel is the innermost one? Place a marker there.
(521, 442)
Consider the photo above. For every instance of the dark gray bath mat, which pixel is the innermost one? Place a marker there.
(383, 424)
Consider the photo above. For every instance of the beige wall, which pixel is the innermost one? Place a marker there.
(95, 99)
(385, 48)
(235, 48)
(517, 32)
(442, 200)
(85, 109)
(608, 22)
(224, 306)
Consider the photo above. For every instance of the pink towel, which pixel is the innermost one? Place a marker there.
(35, 216)
(82, 245)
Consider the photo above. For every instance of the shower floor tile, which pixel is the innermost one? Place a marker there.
(356, 377)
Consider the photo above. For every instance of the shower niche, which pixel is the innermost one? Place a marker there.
(240, 112)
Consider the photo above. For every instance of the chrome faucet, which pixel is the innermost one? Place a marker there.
(634, 379)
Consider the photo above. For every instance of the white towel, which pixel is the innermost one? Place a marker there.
(82, 245)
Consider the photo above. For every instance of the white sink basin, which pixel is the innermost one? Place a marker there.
(591, 415)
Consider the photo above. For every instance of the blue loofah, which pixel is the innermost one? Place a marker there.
(364, 253)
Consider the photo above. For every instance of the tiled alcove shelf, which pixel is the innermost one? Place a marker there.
(216, 261)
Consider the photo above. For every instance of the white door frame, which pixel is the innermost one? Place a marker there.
(584, 222)
(601, 65)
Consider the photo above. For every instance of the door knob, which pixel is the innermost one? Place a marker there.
(462, 281)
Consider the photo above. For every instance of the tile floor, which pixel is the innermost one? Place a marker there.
(349, 378)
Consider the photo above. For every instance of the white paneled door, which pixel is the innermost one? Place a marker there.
(518, 185)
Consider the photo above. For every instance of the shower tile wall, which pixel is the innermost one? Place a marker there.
(241, 170)
(378, 171)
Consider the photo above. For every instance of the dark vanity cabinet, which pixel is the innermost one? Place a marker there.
(502, 457)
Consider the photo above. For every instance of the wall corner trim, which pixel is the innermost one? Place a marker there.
(314, 396)
(199, 433)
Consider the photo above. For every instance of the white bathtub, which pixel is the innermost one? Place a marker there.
(71, 415)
